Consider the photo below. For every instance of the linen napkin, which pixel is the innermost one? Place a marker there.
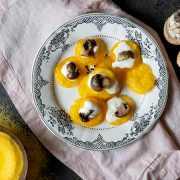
(24, 27)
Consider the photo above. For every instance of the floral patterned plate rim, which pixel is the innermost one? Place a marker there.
(53, 101)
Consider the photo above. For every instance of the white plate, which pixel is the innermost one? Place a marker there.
(53, 101)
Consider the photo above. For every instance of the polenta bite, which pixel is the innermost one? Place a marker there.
(120, 109)
(125, 54)
(140, 79)
(100, 83)
(88, 111)
(90, 51)
(69, 72)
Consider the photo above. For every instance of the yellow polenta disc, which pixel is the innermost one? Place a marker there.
(62, 79)
(140, 79)
(133, 46)
(98, 56)
(79, 103)
(127, 117)
(86, 91)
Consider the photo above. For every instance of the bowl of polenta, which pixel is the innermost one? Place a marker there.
(13, 158)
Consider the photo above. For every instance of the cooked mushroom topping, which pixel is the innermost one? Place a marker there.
(122, 110)
(73, 73)
(98, 82)
(85, 116)
(71, 67)
(87, 48)
(105, 82)
(125, 55)
(95, 84)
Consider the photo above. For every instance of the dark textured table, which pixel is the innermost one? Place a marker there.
(153, 13)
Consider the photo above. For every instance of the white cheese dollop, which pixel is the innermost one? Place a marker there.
(64, 70)
(128, 63)
(112, 104)
(89, 105)
(96, 48)
(114, 84)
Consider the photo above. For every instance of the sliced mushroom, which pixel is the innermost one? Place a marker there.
(73, 71)
(87, 48)
(172, 28)
(95, 83)
(125, 55)
(73, 75)
(71, 67)
(98, 82)
(85, 116)
(105, 82)
(122, 110)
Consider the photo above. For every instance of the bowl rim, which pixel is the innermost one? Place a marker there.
(25, 159)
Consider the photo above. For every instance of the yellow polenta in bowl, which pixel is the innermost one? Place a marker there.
(13, 158)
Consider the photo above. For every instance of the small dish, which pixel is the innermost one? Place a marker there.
(25, 160)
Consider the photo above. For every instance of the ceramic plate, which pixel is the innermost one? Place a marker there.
(53, 101)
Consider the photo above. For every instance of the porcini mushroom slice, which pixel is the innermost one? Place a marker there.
(95, 82)
(85, 116)
(73, 71)
(73, 75)
(122, 110)
(98, 82)
(71, 67)
(125, 55)
(88, 48)
(105, 82)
